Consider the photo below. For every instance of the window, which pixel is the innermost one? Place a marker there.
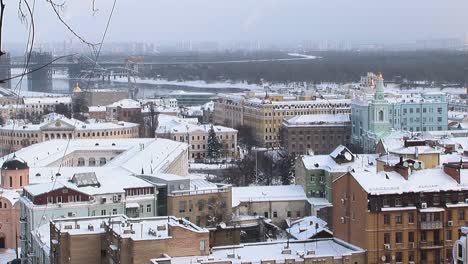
(275, 214)
(298, 213)
(265, 214)
(399, 237)
(448, 235)
(461, 214)
(398, 219)
(289, 214)
(386, 219)
(410, 218)
(202, 245)
(399, 257)
(102, 161)
(11, 182)
(182, 205)
(386, 238)
(148, 208)
(397, 202)
(411, 237)
(423, 235)
(103, 212)
(92, 162)
(81, 162)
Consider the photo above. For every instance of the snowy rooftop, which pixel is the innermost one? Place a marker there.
(267, 193)
(126, 103)
(59, 122)
(131, 157)
(427, 180)
(307, 227)
(323, 119)
(173, 124)
(257, 252)
(135, 228)
(328, 163)
(153, 227)
(107, 179)
(97, 109)
(47, 100)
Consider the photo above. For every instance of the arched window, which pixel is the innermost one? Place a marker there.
(81, 162)
(381, 115)
(92, 162)
(102, 161)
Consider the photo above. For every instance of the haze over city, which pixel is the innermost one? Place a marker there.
(233, 132)
(270, 21)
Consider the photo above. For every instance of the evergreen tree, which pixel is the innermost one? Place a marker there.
(214, 146)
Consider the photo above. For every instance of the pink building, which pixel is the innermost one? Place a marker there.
(14, 175)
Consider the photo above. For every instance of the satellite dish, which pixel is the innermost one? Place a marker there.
(405, 164)
(181, 186)
(416, 165)
(348, 156)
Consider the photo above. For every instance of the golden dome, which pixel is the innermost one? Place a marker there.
(380, 77)
(77, 89)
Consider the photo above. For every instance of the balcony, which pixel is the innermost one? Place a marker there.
(431, 225)
(431, 244)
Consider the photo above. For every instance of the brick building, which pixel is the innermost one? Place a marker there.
(400, 211)
(118, 239)
(319, 134)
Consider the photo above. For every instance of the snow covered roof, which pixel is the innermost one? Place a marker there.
(132, 155)
(47, 100)
(321, 119)
(307, 227)
(272, 251)
(267, 194)
(11, 195)
(55, 121)
(177, 125)
(328, 163)
(126, 103)
(415, 150)
(428, 180)
(97, 109)
(108, 180)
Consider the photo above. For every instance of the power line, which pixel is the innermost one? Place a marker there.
(69, 139)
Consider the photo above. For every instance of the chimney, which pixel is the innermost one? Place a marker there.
(453, 169)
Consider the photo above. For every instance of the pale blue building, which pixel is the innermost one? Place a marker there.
(374, 119)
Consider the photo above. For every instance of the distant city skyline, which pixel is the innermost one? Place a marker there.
(272, 22)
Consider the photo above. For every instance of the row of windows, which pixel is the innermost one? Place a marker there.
(91, 162)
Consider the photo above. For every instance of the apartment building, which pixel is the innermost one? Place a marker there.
(265, 115)
(325, 250)
(402, 212)
(205, 203)
(196, 136)
(17, 135)
(90, 177)
(279, 203)
(318, 134)
(117, 239)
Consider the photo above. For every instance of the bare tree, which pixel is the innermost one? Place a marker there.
(217, 210)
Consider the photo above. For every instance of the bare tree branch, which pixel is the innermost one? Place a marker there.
(55, 8)
(2, 6)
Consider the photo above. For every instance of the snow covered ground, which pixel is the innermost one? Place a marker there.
(7, 255)
(196, 84)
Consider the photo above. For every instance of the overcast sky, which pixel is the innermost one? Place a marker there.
(359, 21)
